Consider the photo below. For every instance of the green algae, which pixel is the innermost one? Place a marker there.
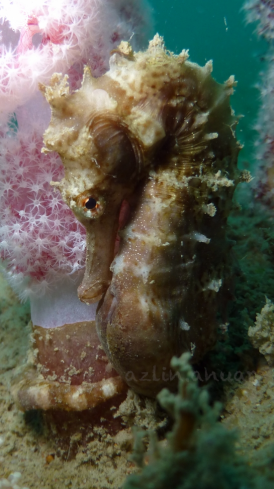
(200, 452)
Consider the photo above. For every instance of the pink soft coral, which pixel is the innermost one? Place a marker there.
(61, 35)
(39, 237)
(41, 243)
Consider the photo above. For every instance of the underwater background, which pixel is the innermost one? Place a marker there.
(217, 30)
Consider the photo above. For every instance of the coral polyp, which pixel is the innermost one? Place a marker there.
(40, 240)
(157, 132)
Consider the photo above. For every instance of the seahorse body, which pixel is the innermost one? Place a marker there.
(157, 132)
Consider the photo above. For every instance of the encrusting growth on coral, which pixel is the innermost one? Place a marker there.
(150, 156)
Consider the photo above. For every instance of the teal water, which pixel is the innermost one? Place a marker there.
(214, 29)
(210, 29)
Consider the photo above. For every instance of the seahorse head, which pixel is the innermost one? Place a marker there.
(109, 132)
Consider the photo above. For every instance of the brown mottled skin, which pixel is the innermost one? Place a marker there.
(155, 131)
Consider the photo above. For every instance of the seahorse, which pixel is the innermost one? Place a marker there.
(150, 157)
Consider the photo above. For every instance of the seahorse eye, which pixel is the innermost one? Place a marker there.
(90, 203)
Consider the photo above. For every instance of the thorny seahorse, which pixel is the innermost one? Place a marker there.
(155, 132)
